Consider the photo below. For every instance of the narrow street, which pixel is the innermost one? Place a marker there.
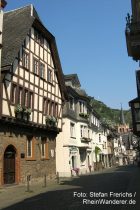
(121, 180)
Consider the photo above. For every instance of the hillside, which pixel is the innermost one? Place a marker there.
(109, 113)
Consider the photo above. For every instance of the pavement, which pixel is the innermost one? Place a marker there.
(13, 196)
(134, 187)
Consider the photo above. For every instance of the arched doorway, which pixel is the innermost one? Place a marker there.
(9, 165)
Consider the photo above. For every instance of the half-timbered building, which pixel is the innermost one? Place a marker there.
(32, 93)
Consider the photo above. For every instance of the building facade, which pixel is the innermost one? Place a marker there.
(32, 93)
(82, 146)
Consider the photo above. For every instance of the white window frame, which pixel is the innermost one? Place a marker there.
(72, 130)
(43, 144)
(31, 148)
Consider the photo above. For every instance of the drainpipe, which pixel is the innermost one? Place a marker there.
(2, 6)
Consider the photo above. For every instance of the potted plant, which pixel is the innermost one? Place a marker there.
(18, 111)
(84, 115)
(26, 113)
(51, 121)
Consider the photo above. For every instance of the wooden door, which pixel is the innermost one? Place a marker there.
(9, 165)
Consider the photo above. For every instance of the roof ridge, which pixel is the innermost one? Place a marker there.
(31, 5)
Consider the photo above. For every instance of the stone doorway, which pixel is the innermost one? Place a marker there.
(9, 168)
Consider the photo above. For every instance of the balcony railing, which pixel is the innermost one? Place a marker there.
(132, 33)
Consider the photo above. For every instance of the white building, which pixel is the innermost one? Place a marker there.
(81, 134)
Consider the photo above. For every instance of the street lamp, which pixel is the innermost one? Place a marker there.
(135, 110)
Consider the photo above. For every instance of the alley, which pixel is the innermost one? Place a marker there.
(122, 180)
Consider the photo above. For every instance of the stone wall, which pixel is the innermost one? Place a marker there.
(37, 167)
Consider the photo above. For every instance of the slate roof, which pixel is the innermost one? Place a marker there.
(16, 26)
(122, 119)
(74, 78)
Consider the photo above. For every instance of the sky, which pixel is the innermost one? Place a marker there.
(90, 36)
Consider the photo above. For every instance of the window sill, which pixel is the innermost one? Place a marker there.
(30, 159)
(73, 137)
(43, 159)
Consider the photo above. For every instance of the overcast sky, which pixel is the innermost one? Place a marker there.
(90, 36)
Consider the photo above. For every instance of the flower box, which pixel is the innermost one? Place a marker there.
(22, 112)
(84, 115)
(51, 121)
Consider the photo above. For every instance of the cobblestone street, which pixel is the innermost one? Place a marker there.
(122, 179)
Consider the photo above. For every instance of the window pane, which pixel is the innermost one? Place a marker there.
(13, 93)
(49, 75)
(42, 70)
(30, 100)
(26, 98)
(72, 129)
(44, 105)
(20, 96)
(29, 147)
(43, 147)
(35, 66)
(25, 60)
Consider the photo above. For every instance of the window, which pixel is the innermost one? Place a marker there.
(88, 133)
(72, 129)
(35, 66)
(38, 37)
(80, 104)
(52, 109)
(29, 147)
(48, 107)
(25, 60)
(85, 132)
(42, 70)
(43, 144)
(30, 104)
(44, 106)
(99, 137)
(71, 101)
(13, 93)
(49, 75)
(26, 98)
(82, 130)
(20, 95)
(56, 110)
(82, 107)
(41, 40)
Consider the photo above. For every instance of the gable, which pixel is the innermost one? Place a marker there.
(17, 25)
